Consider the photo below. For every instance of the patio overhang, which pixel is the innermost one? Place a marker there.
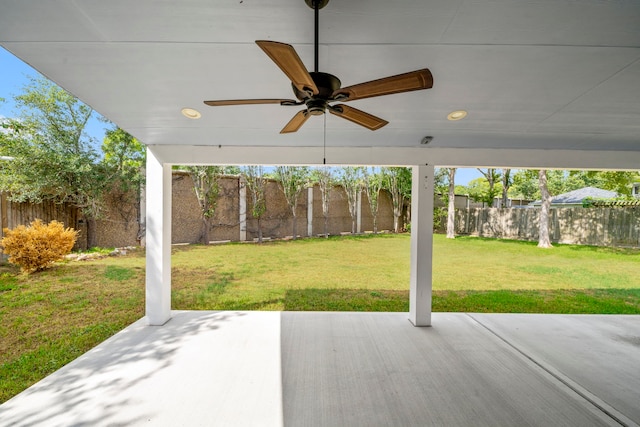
(558, 78)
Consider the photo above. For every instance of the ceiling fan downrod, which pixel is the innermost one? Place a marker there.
(316, 5)
(316, 34)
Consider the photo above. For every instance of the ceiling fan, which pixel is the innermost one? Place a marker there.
(317, 90)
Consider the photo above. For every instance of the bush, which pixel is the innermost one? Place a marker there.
(37, 246)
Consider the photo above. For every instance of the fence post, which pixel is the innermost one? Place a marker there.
(142, 212)
(310, 211)
(3, 220)
(605, 227)
(242, 185)
(466, 224)
(4, 223)
(359, 213)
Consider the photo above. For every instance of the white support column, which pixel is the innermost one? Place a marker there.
(310, 211)
(421, 245)
(158, 239)
(243, 209)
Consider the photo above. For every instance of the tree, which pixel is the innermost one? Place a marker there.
(397, 181)
(372, 186)
(506, 184)
(351, 180)
(441, 189)
(54, 159)
(124, 155)
(619, 181)
(479, 191)
(492, 176)
(124, 160)
(292, 181)
(543, 228)
(405, 190)
(525, 185)
(207, 187)
(324, 177)
(451, 208)
(256, 184)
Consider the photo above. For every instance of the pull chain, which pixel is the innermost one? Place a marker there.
(324, 142)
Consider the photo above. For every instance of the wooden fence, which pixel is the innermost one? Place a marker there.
(610, 226)
(13, 214)
(119, 227)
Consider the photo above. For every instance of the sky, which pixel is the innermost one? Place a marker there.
(14, 75)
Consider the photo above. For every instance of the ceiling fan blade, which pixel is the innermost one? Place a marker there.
(358, 116)
(223, 102)
(285, 57)
(414, 80)
(296, 122)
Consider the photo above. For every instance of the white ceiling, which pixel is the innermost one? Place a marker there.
(547, 83)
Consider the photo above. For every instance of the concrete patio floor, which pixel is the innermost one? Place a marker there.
(348, 369)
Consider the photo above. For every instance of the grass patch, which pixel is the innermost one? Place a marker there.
(564, 301)
(513, 265)
(97, 250)
(51, 317)
(119, 274)
(8, 282)
(31, 366)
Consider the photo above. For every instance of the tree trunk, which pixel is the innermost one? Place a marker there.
(407, 212)
(505, 187)
(142, 217)
(451, 209)
(543, 230)
(492, 184)
(375, 224)
(259, 231)
(92, 238)
(205, 231)
(396, 221)
(326, 226)
(295, 226)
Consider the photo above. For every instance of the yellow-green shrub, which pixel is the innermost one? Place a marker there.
(37, 246)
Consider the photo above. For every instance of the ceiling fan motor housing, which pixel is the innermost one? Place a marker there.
(316, 3)
(326, 84)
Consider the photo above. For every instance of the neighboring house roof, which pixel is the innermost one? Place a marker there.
(576, 197)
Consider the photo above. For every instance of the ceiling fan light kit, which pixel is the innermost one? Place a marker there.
(317, 90)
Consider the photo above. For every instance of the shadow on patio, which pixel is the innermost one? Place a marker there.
(348, 369)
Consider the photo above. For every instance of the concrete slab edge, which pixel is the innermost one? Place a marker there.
(600, 406)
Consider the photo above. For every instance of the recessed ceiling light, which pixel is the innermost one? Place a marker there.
(457, 115)
(190, 113)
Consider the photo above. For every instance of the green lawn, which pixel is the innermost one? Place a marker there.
(49, 318)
